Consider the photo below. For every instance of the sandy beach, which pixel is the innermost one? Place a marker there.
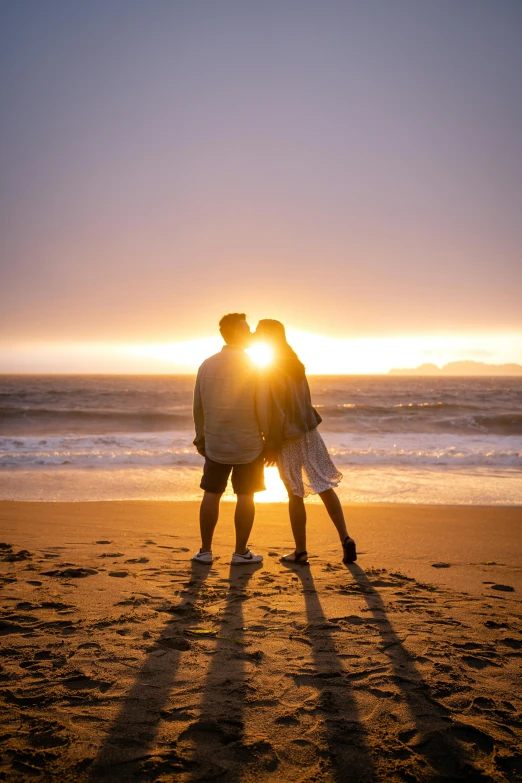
(124, 661)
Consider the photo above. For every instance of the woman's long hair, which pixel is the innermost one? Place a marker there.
(273, 332)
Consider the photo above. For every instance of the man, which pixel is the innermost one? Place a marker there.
(229, 437)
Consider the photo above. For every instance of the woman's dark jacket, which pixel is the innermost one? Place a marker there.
(284, 407)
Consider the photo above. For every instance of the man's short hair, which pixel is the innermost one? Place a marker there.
(229, 324)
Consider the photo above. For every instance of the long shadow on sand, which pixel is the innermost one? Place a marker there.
(126, 753)
(429, 731)
(349, 755)
(219, 748)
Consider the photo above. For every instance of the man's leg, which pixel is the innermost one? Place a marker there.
(208, 517)
(244, 519)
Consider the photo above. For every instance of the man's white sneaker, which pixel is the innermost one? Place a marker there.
(248, 557)
(203, 557)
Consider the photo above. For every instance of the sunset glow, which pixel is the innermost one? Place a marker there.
(321, 354)
(353, 175)
(324, 355)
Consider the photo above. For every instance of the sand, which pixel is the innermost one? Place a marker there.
(404, 666)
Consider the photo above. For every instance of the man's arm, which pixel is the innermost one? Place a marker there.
(199, 422)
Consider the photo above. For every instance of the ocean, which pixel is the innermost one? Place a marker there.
(395, 439)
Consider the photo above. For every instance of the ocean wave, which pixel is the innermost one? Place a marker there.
(500, 423)
(418, 418)
(438, 457)
(411, 417)
(56, 420)
(98, 451)
(162, 450)
(52, 406)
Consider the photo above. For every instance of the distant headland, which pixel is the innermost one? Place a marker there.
(461, 368)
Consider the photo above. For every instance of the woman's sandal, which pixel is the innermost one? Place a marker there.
(350, 553)
(296, 557)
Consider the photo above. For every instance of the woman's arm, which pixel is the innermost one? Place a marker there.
(270, 408)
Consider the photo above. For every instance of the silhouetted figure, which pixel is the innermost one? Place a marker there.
(228, 435)
(289, 424)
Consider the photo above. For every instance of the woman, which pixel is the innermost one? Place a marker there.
(289, 424)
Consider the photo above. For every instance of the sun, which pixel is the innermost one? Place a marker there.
(261, 354)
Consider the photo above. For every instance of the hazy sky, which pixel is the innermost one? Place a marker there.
(353, 168)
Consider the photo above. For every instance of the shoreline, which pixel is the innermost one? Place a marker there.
(278, 504)
(449, 486)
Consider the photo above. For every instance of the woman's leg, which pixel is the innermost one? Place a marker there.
(333, 506)
(297, 511)
(335, 512)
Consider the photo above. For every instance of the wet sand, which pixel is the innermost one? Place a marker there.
(124, 661)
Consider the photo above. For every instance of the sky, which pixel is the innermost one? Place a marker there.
(353, 169)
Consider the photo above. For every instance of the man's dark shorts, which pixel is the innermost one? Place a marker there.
(246, 479)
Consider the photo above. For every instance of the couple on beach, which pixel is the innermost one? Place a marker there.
(247, 418)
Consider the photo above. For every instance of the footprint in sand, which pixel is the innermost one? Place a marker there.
(48, 735)
(472, 736)
(134, 601)
(17, 557)
(43, 655)
(26, 605)
(515, 644)
(58, 605)
(467, 645)
(481, 703)
(75, 573)
(13, 626)
(65, 626)
(287, 720)
(477, 663)
(82, 681)
(177, 714)
(175, 643)
(352, 619)
(407, 735)
(225, 731)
